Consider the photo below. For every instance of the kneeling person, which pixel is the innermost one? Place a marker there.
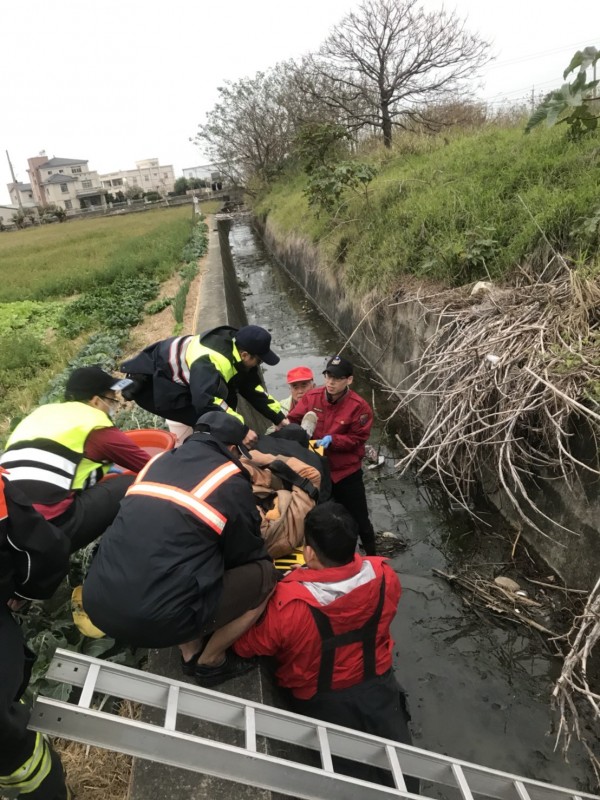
(184, 559)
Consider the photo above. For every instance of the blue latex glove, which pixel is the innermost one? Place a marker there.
(324, 442)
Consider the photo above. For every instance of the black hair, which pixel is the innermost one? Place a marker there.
(332, 533)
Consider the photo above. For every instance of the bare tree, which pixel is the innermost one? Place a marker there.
(251, 130)
(385, 62)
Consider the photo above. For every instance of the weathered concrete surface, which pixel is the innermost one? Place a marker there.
(219, 303)
(391, 340)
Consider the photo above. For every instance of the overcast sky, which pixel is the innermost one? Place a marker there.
(117, 81)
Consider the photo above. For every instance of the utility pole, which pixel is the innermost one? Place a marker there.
(12, 172)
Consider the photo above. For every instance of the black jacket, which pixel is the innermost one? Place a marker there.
(34, 554)
(158, 573)
(167, 387)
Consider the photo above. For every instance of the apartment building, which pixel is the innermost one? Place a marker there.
(148, 175)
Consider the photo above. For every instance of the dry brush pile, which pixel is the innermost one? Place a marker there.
(514, 373)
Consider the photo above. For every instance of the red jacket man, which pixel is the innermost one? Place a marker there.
(343, 426)
(328, 627)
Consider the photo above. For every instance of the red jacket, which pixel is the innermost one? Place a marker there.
(348, 421)
(348, 595)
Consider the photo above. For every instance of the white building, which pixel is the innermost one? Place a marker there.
(149, 175)
(65, 182)
(23, 192)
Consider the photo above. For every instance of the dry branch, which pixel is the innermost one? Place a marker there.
(514, 377)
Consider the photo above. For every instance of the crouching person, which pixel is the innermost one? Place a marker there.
(328, 627)
(184, 562)
(34, 557)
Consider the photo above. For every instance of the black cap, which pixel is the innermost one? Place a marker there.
(338, 367)
(257, 342)
(224, 427)
(87, 382)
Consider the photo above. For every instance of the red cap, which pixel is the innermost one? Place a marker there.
(300, 374)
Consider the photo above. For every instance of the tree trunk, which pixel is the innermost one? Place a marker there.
(386, 125)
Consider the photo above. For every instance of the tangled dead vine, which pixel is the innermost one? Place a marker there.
(513, 374)
(511, 377)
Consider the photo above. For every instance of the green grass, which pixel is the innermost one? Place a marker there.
(58, 260)
(115, 265)
(455, 209)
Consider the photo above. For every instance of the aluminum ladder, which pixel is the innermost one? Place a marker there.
(247, 764)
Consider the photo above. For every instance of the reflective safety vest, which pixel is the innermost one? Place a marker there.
(31, 774)
(221, 363)
(45, 451)
(192, 500)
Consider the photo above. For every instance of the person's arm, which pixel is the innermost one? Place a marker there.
(208, 388)
(357, 433)
(241, 538)
(255, 393)
(264, 637)
(110, 445)
(39, 551)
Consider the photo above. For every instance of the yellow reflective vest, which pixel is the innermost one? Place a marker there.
(44, 454)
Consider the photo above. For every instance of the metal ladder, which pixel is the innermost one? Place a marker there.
(246, 764)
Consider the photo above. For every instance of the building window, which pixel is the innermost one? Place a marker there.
(49, 172)
(165, 174)
(86, 184)
(60, 170)
(146, 178)
(64, 188)
(75, 170)
(68, 205)
(118, 182)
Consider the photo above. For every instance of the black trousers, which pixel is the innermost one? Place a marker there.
(93, 510)
(375, 706)
(17, 744)
(350, 492)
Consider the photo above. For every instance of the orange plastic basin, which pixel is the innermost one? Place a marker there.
(152, 440)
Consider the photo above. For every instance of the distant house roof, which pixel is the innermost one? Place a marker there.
(22, 187)
(60, 178)
(62, 162)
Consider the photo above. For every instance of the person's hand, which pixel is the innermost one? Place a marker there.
(324, 442)
(251, 438)
(15, 604)
(284, 421)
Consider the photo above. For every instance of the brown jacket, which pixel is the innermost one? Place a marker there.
(282, 511)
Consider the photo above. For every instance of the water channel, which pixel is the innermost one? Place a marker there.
(477, 690)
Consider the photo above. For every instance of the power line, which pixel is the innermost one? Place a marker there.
(531, 56)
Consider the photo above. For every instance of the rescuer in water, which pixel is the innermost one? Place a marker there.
(328, 627)
(342, 425)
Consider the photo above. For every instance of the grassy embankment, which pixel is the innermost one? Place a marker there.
(454, 208)
(69, 293)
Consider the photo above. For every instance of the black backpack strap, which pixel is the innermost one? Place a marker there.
(366, 634)
(291, 477)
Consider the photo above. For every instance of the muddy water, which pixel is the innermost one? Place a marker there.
(476, 691)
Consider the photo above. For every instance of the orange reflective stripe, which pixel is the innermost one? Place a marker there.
(214, 479)
(146, 467)
(3, 506)
(160, 491)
